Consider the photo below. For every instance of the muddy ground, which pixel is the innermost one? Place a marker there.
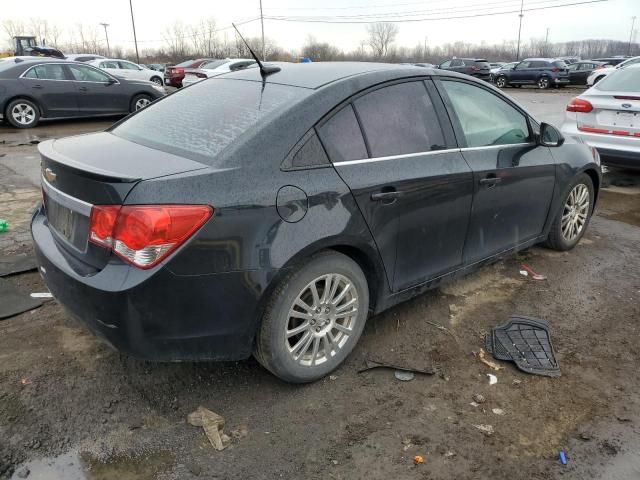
(72, 408)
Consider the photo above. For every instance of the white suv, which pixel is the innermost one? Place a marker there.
(599, 74)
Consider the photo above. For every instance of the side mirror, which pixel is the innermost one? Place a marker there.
(111, 81)
(550, 136)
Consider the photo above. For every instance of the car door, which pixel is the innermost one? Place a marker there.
(514, 177)
(445, 65)
(52, 88)
(133, 71)
(404, 170)
(574, 73)
(520, 73)
(111, 67)
(584, 70)
(458, 65)
(98, 92)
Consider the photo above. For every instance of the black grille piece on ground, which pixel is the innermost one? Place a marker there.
(525, 341)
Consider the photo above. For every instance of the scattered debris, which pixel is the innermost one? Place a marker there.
(418, 459)
(239, 433)
(371, 364)
(622, 419)
(444, 329)
(586, 436)
(474, 404)
(492, 379)
(333, 377)
(486, 429)
(335, 462)
(403, 375)
(563, 457)
(450, 454)
(41, 295)
(528, 270)
(25, 381)
(478, 398)
(212, 423)
(4, 225)
(524, 273)
(498, 411)
(488, 363)
(516, 381)
(23, 472)
(525, 341)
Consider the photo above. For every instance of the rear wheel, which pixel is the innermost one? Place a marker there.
(501, 82)
(573, 216)
(22, 113)
(543, 83)
(140, 101)
(157, 80)
(313, 319)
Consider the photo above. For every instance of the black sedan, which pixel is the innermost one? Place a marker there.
(272, 213)
(580, 71)
(34, 88)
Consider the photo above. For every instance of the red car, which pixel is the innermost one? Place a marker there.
(173, 75)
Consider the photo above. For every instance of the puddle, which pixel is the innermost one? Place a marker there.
(84, 466)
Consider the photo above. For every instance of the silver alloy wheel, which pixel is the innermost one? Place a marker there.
(157, 81)
(321, 319)
(23, 113)
(543, 82)
(142, 102)
(501, 82)
(575, 212)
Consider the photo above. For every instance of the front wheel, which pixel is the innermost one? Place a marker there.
(313, 319)
(543, 83)
(23, 113)
(140, 101)
(501, 82)
(573, 216)
(157, 81)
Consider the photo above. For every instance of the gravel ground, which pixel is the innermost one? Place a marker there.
(71, 408)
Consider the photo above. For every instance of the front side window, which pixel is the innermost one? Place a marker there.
(51, 71)
(446, 64)
(84, 73)
(523, 65)
(485, 118)
(109, 65)
(399, 119)
(342, 138)
(457, 63)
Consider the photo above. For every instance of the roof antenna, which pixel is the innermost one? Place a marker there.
(264, 70)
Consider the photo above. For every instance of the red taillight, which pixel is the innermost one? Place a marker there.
(179, 71)
(475, 68)
(579, 105)
(143, 235)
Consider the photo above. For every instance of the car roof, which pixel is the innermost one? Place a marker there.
(317, 74)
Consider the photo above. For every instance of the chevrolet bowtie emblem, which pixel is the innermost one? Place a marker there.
(50, 175)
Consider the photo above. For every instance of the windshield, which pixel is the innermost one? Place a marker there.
(186, 63)
(202, 120)
(625, 80)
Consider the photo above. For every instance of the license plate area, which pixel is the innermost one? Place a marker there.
(68, 225)
(626, 120)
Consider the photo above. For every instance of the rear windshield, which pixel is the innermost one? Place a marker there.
(200, 121)
(623, 80)
(213, 64)
(560, 64)
(186, 63)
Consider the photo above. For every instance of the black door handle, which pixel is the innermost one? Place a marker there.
(37, 86)
(490, 180)
(83, 89)
(387, 197)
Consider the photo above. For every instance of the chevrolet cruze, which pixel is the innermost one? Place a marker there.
(292, 203)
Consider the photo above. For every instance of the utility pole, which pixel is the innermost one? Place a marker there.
(105, 25)
(264, 57)
(520, 29)
(546, 43)
(633, 24)
(135, 40)
(424, 52)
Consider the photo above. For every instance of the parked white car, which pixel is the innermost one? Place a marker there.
(599, 74)
(607, 117)
(128, 70)
(214, 68)
(83, 57)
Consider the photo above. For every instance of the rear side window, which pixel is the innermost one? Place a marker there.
(538, 64)
(342, 138)
(485, 118)
(399, 119)
(51, 71)
(308, 153)
(212, 65)
(202, 120)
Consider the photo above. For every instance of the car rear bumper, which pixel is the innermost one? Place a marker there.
(614, 150)
(154, 314)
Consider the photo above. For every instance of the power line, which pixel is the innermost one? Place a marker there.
(424, 19)
(384, 5)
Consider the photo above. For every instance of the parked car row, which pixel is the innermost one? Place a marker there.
(192, 71)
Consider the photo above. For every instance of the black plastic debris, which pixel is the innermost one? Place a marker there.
(14, 302)
(12, 264)
(372, 364)
(525, 341)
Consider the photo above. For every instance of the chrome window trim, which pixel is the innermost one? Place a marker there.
(429, 153)
(65, 199)
(65, 80)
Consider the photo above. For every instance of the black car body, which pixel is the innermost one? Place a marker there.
(543, 72)
(580, 71)
(474, 67)
(279, 175)
(49, 88)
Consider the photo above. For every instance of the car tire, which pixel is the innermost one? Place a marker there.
(140, 101)
(157, 81)
(22, 113)
(544, 83)
(321, 333)
(501, 82)
(580, 196)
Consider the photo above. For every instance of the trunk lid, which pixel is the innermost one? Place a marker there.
(95, 169)
(616, 112)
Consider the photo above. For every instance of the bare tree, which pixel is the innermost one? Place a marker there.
(11, 29)
(175, 38)
(381, 36)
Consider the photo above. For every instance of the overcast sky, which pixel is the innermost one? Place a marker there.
(610, 19)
